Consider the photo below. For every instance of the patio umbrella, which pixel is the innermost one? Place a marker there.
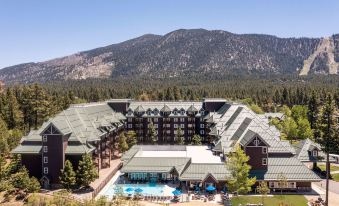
(138, 190)
(176, 192)
(197, 189)
(210, 188)
(129, 189)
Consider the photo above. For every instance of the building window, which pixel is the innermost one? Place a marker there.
(264, 161)
(291, 185)
(45, 170)
(175, 119)
(155, 119)
(182, 112)
(202, 131)
(45, 149)
(175, 125)
(182, 119)
(45, 159)
(156, 126)
(149, 119)
(44, 138)
(201, 119)
(175, 132)
(130, 119)
(202, 126)
(315, 153)
(129, 126)
(149, 112)
(182, 125)
(175, 112)
(271, 184)
(264, 150)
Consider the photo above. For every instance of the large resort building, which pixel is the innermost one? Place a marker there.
(93, 129)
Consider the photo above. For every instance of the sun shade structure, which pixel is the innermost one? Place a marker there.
(176, 192)
(210, 188)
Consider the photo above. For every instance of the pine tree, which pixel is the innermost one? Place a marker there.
(122, 144)
(86, 172)
(313, 110)
(13, 113)
(327, 135)
(196, 139)
(68, 176)
(180, 137)
(4, 148)
(152, 133)
(239, 180)
(40, 102)
(131, 138)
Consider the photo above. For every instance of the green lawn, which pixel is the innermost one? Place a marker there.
(335, 177)
(332, 167)
(291, 200)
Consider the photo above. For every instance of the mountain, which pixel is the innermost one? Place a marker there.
(188, 52)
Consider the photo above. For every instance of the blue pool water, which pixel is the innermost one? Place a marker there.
(148, 189)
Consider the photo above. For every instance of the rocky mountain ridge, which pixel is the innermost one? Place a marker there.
(188, 52)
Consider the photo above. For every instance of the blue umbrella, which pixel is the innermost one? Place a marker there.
(197, 188)
(129, 189)
(138, 190)
(210, 188)
(176, 192)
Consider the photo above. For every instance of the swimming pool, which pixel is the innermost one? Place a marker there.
(147, 189)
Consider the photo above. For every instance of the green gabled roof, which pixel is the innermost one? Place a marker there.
(130, 153)
(304, 151)
(82, 123)
(139, 109)
(290, 167)
(166, 108)
(192, 109)
(120, 116)
(27, 149)
(155, 164)
(199, 171)
(79, 149)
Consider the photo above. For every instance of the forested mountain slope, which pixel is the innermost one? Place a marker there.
(186, 53)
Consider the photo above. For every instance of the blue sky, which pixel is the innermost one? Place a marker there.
(37, 30)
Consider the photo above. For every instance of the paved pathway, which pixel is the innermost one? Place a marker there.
(333, 197)
(333, 186)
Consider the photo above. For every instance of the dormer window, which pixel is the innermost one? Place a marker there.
(130, 112)
(149, 112)
(156, 111)
(182, 112)
(175, 112)
(202, 112)
(314, 153)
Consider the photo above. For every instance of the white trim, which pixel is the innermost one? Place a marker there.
(264, 161)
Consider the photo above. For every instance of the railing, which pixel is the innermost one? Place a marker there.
(105, 181)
